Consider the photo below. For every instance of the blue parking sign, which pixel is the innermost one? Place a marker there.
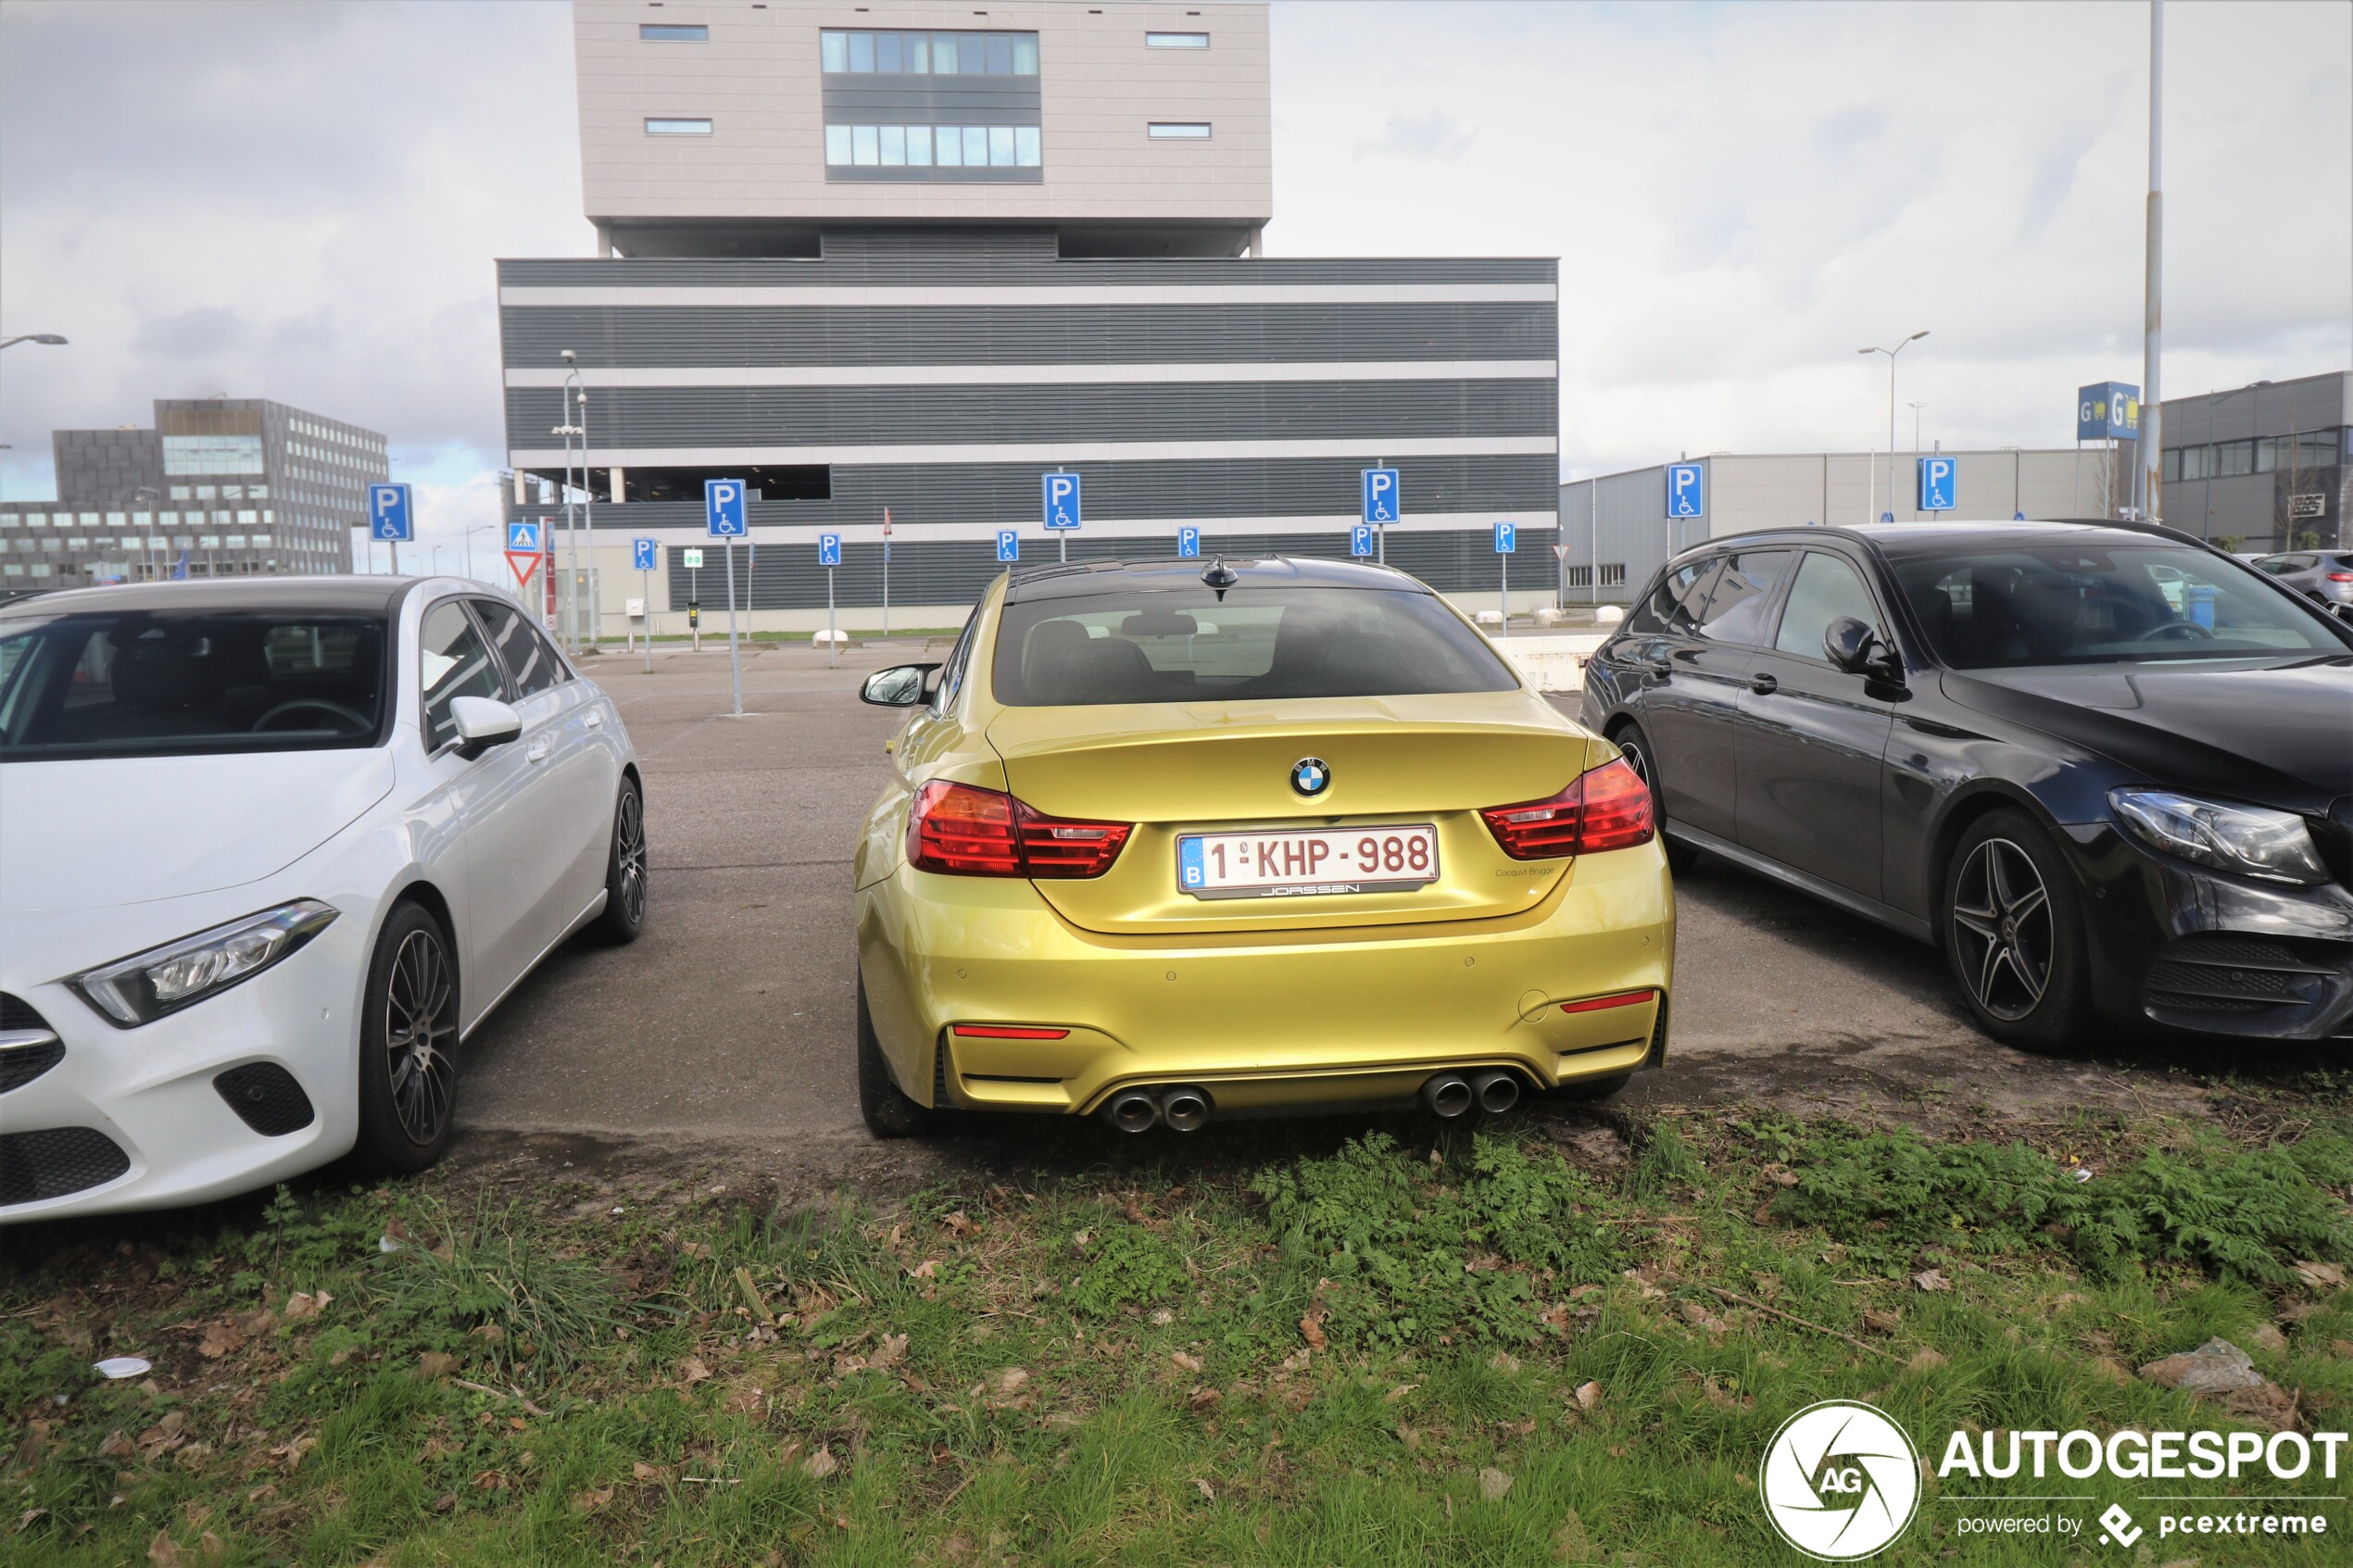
(1383, 501)
(642, 554)
(1686, 490)
(1506, 538)
(1059, 492)
(828, 550)
(1189, 543)
(1939, 481)
(1008, 545)
(523, 538)
(1360, 539)
(723, 507)
(388, 515)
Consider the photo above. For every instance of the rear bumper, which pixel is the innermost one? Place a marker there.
(1259, 1020)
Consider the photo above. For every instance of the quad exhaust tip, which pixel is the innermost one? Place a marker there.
(1447, 1095)
(1132, 1111)
(1184, 1109)
(1497, 1092)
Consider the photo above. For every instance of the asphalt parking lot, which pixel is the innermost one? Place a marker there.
(729, 1021)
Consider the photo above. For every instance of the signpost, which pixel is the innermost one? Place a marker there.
(1189, 543)
(886, 574)
(1560, 576)
(1686, 496)
(1939, 481)
(643, 553)
(1506, 541)
(1059, 492)
(723, 512)
(829, 557)
(1384, 503)
(1360, 540)
(390, 519)
(522, 552)
(1007, 546)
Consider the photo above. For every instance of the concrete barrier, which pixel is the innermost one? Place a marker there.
(1553, 662)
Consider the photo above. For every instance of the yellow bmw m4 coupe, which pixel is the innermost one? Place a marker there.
(1169, 844)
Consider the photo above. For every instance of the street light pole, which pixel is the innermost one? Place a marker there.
(588, 533)
(477, 528)
(2152, 435)
(50, 338)
(148, 533)
(1891, 354)
(1916, 408)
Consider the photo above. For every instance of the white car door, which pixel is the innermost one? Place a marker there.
(562, 718)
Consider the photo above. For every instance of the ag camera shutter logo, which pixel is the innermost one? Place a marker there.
(1841, 1480)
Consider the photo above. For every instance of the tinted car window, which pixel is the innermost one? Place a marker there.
(163, 683)
(1676, 605)
(1737, 600)
(452, 662)
(530, 658)
(2280, 566)
(2065, 604)
(1826, 588)
(1184, 645)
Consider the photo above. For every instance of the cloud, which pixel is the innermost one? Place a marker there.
(303, 202)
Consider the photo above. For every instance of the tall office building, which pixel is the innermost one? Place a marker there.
(220, 486)
(908, 256)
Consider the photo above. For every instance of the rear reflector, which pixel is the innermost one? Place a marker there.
(1608, 808)
(997, 1032)
(1615, 999)
(964, 830)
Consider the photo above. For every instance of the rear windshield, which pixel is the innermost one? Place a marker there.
(2064, 604)
(1183, 645)
(155, 683)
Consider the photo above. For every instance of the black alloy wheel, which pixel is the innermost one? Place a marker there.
(623, 919)
(2013, 932)
(408, 1046)
(1635, 746)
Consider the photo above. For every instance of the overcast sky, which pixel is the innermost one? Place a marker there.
(304, 201)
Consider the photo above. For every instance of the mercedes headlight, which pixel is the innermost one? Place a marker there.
(140, 989)
(2250, 840)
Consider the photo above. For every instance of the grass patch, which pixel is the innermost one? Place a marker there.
(1478, 1346)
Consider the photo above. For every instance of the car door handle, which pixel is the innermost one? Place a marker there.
(596, 718)
(1763, 685)
(536, 751)
(1657, 666)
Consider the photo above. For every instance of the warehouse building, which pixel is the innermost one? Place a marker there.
(905, 258)
(219, 487)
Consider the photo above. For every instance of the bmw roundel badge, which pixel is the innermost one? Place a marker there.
(1310, 776)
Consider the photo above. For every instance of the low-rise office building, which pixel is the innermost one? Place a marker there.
(2262, 466)
(218, 487)
(901, 260)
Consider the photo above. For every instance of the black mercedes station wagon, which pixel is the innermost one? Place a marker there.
(2108, 769)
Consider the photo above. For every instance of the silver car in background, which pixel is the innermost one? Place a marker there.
(2327, 575)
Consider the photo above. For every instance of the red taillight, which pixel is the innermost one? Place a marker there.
(1606, 808)
(2341, 576)
(1002, 1032)
(964, 830)
(1615, 999)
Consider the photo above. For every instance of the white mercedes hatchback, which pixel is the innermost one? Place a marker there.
(269, 850)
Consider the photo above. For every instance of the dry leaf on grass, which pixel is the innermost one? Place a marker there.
(643, 1472)
(1494, 1484)
(1311, 1327)
(1189, 1362)
(692, 1371)
(304, 1304)
(163, 1551)
(220, 1339)
(588, 1502)
(1878, 1322)
(1296, 1361)
(1205, 1488)
(888, 1351)
(928, 1268)
(1008, 1383)
(2318, 1274)
(820, 1464)
(1588, 1395)
(1931, 1279)
(436, 1364)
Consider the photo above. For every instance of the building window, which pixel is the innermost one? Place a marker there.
(673, 33)
(928, 54)
(1613, 574)
(1580, 576)
(212, 453)
(677, 128)
(1175, 41)
(1177, 131)
(943, 146)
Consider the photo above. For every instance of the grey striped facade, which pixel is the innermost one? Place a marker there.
(1470, 447)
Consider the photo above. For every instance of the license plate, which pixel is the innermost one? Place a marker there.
(1304, 863)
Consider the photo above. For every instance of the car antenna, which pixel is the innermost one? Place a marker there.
(1220, 577)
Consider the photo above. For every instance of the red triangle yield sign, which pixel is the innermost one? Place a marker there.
(523, 562)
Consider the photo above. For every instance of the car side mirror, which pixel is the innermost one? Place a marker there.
(901, 685)
(483, 723)
(1853, 646)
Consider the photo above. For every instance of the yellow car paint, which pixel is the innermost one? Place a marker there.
(1261, 1002)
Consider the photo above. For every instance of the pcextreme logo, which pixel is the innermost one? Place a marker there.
(1840, 1480)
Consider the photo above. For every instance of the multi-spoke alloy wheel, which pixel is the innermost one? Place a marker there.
(630, 852)
(421, 1035)
(1635, 746)
(2003, 930)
